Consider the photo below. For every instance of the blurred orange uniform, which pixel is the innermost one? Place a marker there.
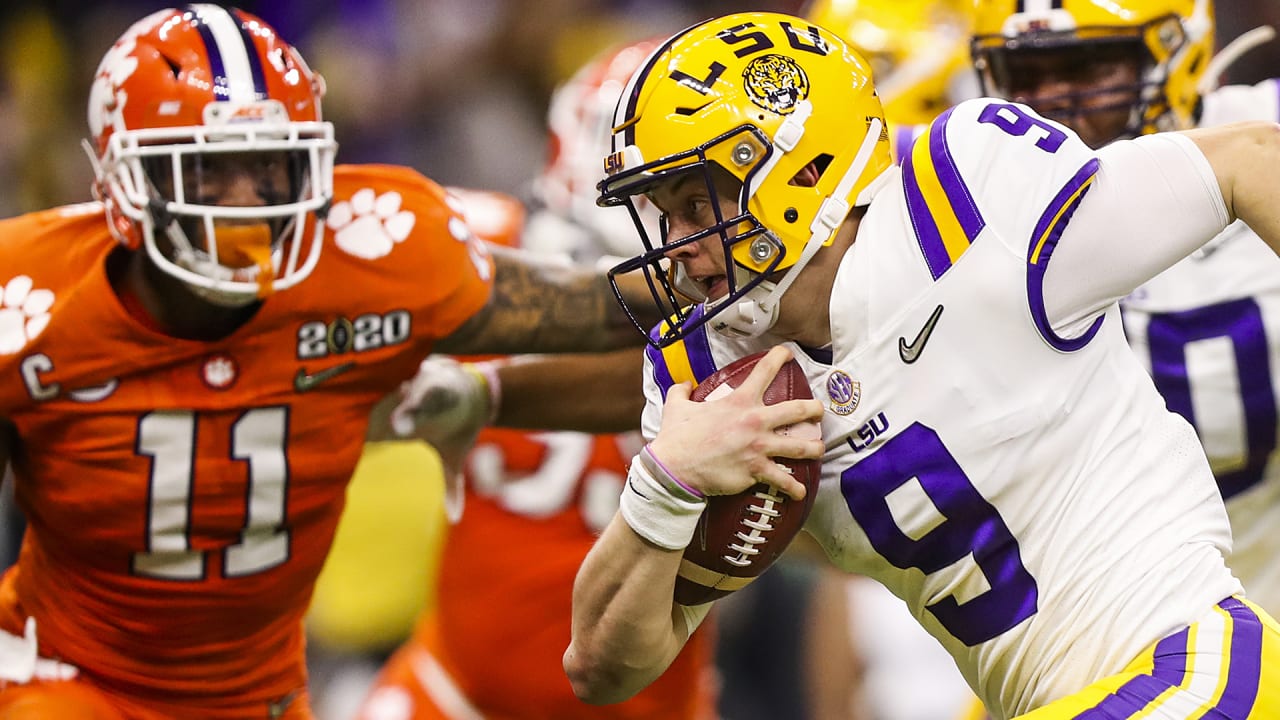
(534, 504)
(181, 496)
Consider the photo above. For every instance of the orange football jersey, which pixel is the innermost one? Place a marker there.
(181, 496)
(535, 503)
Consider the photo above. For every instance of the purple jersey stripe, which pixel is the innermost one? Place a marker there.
(1043, 241)
(958, 195)
(1245, 664)
(698, 348)
(927, 234)
(695, 349)
(1170, 668)
(661, 375)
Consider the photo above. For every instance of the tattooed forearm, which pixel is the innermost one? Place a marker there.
(543, 307)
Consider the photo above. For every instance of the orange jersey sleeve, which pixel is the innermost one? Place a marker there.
(181, 496)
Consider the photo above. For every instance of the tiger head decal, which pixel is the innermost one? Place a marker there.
(775, 83)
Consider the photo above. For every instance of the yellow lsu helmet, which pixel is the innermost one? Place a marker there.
(761, 96)
(918, 50)
(1174, 40)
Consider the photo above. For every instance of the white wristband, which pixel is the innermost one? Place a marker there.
(660, 508)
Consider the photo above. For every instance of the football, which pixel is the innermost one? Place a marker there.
(740, 536)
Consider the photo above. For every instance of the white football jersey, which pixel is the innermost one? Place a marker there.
(1208, 330)
(1022, 489)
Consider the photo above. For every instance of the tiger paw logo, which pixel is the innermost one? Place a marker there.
(24, 313)
(369, 225)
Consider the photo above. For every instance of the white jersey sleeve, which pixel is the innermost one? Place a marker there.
(1154, 201)
(1158, 191)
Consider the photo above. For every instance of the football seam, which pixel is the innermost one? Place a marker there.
(757, 528)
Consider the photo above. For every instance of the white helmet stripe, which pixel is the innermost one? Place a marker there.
(228, 51)
(1039, 7)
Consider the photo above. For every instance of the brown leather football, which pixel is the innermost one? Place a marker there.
(740, 536)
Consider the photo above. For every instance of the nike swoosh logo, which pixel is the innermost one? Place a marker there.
(910, 352)
(305, 381)
(635, 489)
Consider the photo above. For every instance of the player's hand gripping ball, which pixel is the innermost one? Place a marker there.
(740, 536)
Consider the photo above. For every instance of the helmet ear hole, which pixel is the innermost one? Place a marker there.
(812, 172)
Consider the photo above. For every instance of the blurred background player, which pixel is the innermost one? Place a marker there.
(1208, 328)
(489, 646)
(186, 378)
(918, 51)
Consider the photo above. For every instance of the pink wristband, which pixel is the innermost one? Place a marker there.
(648, 451)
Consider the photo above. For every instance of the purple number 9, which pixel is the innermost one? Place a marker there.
(1015, 121)
(971, 526)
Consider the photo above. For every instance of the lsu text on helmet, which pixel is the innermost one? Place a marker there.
(918, 50)
(182, 93)
(579, 124)
(761, 97)
(1171, 41)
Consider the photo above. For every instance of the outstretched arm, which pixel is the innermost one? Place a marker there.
(1246, 159)
(543, 306)
(626, 626)
(447, 403)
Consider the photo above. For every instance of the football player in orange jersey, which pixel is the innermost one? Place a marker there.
(535, 501)
(188, 366)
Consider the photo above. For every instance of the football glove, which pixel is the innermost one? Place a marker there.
(446, 404)
(20, 659)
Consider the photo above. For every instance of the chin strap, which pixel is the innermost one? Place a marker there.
(756, 312)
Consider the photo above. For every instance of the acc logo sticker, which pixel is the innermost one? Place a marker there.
(844, 391)
(775, 83)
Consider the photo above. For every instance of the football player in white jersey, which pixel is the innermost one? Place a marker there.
(1208, 328)
(992, 450)
(919, 55)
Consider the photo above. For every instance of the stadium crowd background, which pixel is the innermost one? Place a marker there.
(455, 88)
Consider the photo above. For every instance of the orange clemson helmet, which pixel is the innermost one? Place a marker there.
(183, 91)
(580, 125)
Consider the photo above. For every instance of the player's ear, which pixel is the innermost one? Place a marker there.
(807, 176)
